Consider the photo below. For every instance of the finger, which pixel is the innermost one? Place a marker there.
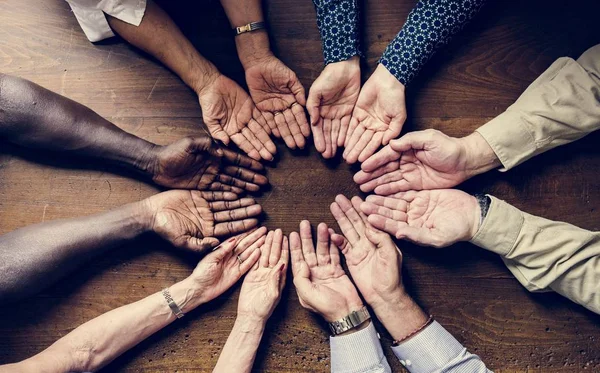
(345, 225)
(284, 131)
(266, 250)
(234, 227)
(298, 89)
(294, 128)
(242, 160)
(341, 243)
(344, 123)
(356, 202)
(334, 254)
(312, 105)
(230, 205)
(216, 131)
(327, 134)
(284, 260)
(416, 140)
(359, 146)
(319, 136)
(382, 157)
(308, 249)
(246, 175)
(323, 245)
(239, 242)
(246, 252)
(229, 180)
(199, 245)
(335, 130)
(351, 214)
(276, 248)
(401, 230)
(300, 116)
(394, 129)
(394, 203)
(371, 147)
(250, 261)
(204, 144)
(258, 116)
(256, 143)
(353, 124)
(369, 208)
(263, 138)
(392, 187)
(237, 214)
(370, 180)
(299, 267)
(246, 146)
(217, 185)
(219, 196)
(385, 178)
(270, 119)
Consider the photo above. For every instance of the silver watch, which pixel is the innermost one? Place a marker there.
(351, 321)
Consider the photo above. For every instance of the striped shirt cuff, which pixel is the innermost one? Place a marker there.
(358, 352)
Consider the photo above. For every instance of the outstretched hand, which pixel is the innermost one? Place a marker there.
(436, 218)
(193, 220)
(230, 114)
(322, 285)
(330, 103)
(200, 163)
(378, 116)
(279, 95)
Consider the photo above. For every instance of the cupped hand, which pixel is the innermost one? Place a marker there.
(374, 261)
(279, 95)
(227, 263)
(262, 287)
(378, 116)
(193, 220)
(200, 163)
(230, 114)
(418, 160)
(322, 285)
(330, 102)
(436, 218)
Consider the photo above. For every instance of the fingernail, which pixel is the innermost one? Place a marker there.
(232, 239)
(281, 268)
(220, 151)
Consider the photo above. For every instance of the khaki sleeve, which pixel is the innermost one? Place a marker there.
(543, 254)
(562, 105)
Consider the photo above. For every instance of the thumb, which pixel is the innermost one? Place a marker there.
(412, 140)
(394, 129)
(200, 245)
(340, 241)
(217, 133)
(312, 105)
(206, 144)
(298, 89)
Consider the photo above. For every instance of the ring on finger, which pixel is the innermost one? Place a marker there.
(277, 113)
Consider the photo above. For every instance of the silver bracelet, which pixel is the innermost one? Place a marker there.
(172, 305)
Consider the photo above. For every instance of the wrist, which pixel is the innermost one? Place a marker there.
(479, 157)
(249, 324)
(253, 47)
(340, 312)
(386, 80)
(203, 78)
(187, 295)
(350, 65)
(400, 316)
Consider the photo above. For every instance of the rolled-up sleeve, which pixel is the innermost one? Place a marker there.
(562, 105)
(543, 254)
(91, 15)
(434, 350)
(359, 352)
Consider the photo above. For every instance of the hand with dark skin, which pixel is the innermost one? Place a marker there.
(227, 110)
(34, 257)
(274, 87)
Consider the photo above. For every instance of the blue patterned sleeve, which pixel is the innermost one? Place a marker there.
(430, 25)
(337, 21)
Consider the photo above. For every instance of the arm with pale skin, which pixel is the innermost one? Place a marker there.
(96, 343)
(260, 294)
(33, 257)
(35, 117)
(274, 87)
(227, 110)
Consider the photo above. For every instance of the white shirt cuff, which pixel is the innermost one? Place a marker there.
(358, 352)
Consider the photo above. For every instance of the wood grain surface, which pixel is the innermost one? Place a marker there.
(467, 289)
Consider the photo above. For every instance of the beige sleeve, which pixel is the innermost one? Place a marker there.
(544, 254)
(562, 105)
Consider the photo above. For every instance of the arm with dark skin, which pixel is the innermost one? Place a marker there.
(35, 117)
(35, 256)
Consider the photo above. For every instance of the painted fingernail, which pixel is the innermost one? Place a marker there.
(232, 239)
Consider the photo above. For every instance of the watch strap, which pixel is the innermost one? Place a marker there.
(351, 321)
(172, 305)
(252, 26)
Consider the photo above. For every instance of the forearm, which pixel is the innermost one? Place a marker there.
(240, 349)
(559, 107)
(35, 117)
(96, 343)
(160, 37)
(429, 26)
(251, 46)
(544, 254)
(337, 21)
(36, 256)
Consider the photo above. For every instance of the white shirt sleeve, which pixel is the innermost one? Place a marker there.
(434, 350)
(91, 15)
(359, 352)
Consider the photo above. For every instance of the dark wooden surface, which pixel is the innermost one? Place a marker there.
(468, 290)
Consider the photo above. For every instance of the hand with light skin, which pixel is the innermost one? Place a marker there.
(230, 114)
(375, 263)
(378, 116)
(321, 283)
(193, 220)
(200, 163)
(435, 218)
(425, 160)
(330, 103)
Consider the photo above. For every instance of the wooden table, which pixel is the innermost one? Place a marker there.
(467, 289)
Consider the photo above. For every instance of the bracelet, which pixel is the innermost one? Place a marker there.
(252, 26)
(172, 305)
(427, 323)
